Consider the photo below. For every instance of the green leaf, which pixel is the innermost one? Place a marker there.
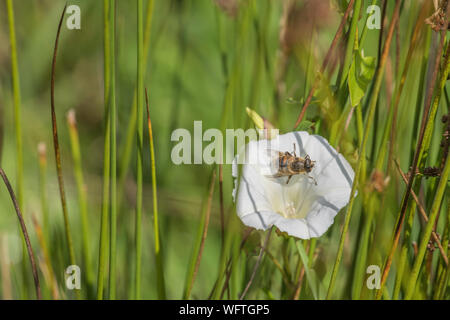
(305, 125)
(360, 74)
(310, 273)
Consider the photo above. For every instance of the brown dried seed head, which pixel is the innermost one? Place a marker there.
(378, 181)
(71, 118)
(438, 20)
(431, 172)
(42, 151)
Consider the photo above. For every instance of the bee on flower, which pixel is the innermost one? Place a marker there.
(301, 194)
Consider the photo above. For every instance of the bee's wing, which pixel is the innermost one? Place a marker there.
(274, 162)
(274, 154)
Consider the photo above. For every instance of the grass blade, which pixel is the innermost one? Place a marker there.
(81, 190)
(428, 230)
(131, 128)
(17, 101)
(103, 247)
(25, 233)
(113, 159)
(422, 145)
(199, 245)
(369, 122)
(316, 83)
(310, 274)
(58, 153)
(140, 157)
(158, 249)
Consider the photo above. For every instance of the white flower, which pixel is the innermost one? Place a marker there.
(301, 208)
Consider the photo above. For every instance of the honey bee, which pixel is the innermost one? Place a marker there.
(290, 165)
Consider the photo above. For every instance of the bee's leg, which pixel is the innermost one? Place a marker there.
(294, 151)
(315, 182)
(289, 179)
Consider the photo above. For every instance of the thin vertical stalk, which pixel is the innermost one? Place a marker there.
(327, 59)
(370, 116)
(364, 245)
(257, 264)
(426, 137)
(103, 247)
(113, 159)
(58, 153)
(81, 189)
(24, 232)
(2, 129)
(139, 134)
(424, 216)
(428, 230)
(131, 128)
(222, 209)
(49, 274)
(406, 247)
(158, 249)
(444, 270)
(384, 146)
(16, 101)
(17, 116)
(342, 97)
(42, 153)
(350, 44)
(202, 232)
(423, 142)
(44, 238)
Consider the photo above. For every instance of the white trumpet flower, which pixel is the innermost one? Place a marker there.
(304, 206)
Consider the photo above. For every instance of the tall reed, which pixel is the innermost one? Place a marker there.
(24, 232)
(113, 114)
(17, 116)
(368, 125)
(140, 157)
(82, 193)
(62, 191)
(103, 246)
(159, 257)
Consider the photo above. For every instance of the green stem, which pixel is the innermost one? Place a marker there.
(59, 171)
(442, 183)
(158, 249)
(199, 244)
(113, 159)
(42, 152)
(428, 230)
(17, 121)
(103, 247)
(131, 127)
(17, 102)
(371, 113)
(24, 233)
(139, 166)
(81, 189)
(350, 45)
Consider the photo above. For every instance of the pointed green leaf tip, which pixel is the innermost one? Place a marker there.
(256, 118)
(360, 74)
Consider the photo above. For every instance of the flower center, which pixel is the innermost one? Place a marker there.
(294, 201)
(290, 210)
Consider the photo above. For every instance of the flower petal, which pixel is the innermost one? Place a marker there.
(300, 208)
